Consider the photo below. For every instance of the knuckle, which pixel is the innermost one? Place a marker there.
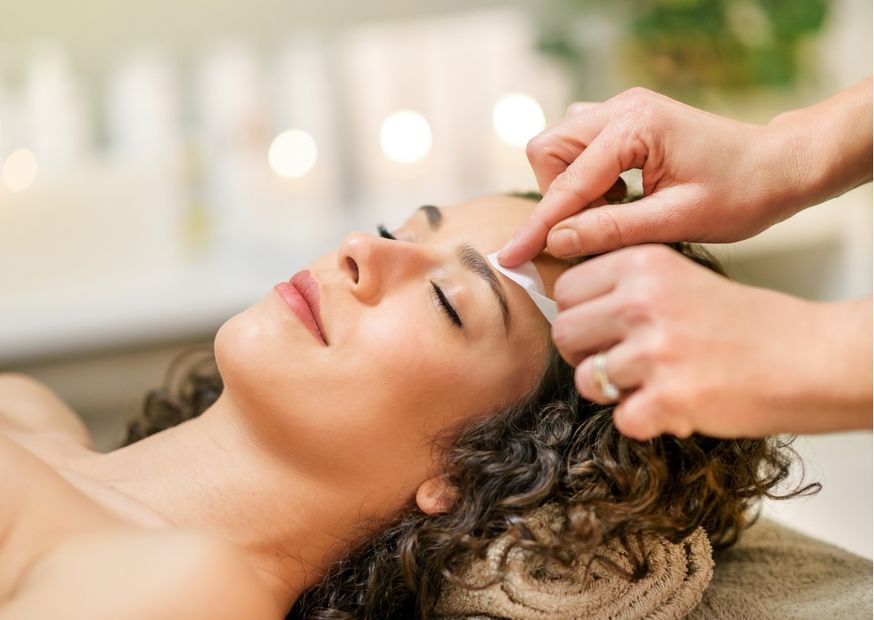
(675, 407)
(675, 416)
(637, 259)
(534, 147)
(653, 253)
(565, 182)
(635, 96)
(662, 409)
(648, 260)
(562, 290)
(640, 356)
(569, 184)
(638, 307)
(626, 132)
(660, 253)
(577, 107)
(539, 148)
(561, 333)
(637, 110)
(639, 92)
(642, 300)
(609, 230)
(656, 346)
(658, 408)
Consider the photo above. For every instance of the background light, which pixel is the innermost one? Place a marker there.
(405, 136)
(292, 154)
(517, 118)
(19, 170)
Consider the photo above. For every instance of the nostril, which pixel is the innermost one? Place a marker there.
(353, 268)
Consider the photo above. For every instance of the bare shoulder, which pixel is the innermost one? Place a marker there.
(28, 406)
(167, 574)
(215, 582)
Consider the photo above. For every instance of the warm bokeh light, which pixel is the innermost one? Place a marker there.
(292, 154)
(517, 118)
(19, 170)
(405, 136)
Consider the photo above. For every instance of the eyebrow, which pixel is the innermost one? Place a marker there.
(473, 260)
(434, 215)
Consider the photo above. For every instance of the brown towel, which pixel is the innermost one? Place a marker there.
(776, 573)
(534, 589)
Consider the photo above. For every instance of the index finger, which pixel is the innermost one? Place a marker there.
(588, 177)
(555, 148)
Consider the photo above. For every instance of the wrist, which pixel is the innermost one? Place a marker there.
(791, 165)
(834, 377)
(822, 151)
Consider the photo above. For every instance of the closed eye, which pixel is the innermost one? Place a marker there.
(384, 233)
(437, 292)
(447, 307)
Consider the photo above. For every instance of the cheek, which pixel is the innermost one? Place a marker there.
(405, 379)
(257, 353)
(401, 382)
(418, 380)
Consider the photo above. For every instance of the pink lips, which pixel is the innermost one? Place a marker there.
(301, 293)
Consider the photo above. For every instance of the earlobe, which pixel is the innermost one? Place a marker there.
(436, 496)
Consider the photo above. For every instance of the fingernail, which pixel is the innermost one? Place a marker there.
(506, 247)
(564, 242)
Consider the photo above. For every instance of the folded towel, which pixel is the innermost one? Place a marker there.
(776, 573)
(537, 589)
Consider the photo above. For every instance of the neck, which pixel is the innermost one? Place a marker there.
(210, 474)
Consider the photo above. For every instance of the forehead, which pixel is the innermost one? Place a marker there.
(487, 224)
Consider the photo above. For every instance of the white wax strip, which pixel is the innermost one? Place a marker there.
(526, 276)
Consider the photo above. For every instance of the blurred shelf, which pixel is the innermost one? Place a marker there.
(128, 313)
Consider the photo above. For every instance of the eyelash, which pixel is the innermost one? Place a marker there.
(447, 307)
(384, 233)
(436, 291)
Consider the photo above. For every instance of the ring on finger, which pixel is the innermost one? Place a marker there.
(602, 380)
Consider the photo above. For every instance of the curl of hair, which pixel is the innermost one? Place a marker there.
(191, 385)
(553, 446)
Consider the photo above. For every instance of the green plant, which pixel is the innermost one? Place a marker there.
(687, 45)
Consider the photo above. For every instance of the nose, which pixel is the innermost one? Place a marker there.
(372, 264)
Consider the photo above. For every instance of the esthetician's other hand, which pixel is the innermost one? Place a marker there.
(692, 351)
(705, 177)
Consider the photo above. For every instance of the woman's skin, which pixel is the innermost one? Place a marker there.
(309, 447)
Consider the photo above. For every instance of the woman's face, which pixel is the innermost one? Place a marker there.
(398, 368)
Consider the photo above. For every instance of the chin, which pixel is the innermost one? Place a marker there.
(250, 349)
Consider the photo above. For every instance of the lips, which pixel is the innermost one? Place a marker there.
(301, 293)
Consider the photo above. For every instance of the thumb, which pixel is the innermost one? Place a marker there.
(656, 218)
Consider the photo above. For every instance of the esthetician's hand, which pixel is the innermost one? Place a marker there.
(692, 351)
(705, 178)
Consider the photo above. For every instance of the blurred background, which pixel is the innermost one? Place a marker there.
(163, 164)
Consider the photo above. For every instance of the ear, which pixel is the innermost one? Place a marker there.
(436, 496)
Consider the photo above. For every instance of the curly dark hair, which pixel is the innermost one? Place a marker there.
(552, 446)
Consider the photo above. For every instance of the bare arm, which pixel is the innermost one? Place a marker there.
(839, 398)
(826, 148)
